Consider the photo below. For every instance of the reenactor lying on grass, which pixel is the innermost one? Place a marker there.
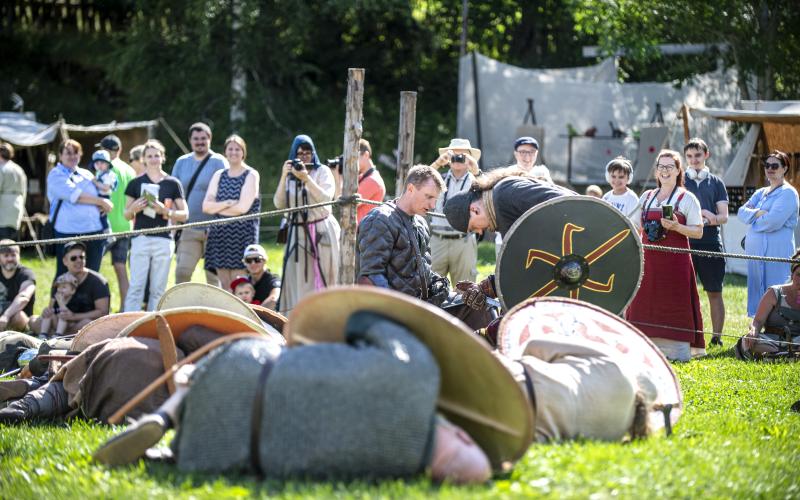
(377, 384)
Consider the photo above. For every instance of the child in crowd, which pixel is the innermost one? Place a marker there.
(65, 286)
(618, 175)
(105, 180)
(594, 190)
(244, 289)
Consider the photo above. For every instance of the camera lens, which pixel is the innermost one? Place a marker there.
(459, 159)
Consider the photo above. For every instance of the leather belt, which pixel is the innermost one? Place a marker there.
(450, 236)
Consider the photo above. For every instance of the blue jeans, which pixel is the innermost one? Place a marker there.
(94, 252)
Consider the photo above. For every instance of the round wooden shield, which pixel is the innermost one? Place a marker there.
(573, 246)
(542, 318)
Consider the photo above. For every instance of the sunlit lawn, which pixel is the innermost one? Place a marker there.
(737, 438)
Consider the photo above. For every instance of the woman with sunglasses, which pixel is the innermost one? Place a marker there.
(667, 307)
(771, 214)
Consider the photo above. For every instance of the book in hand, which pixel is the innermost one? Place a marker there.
(150, 194)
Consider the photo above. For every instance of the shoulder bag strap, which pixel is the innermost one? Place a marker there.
(55, 214)
(196, 174)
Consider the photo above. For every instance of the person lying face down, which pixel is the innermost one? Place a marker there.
(365, 408)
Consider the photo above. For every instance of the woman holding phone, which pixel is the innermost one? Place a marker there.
(667, 307)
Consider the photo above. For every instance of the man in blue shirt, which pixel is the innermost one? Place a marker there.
(192, 244)
(710, 190)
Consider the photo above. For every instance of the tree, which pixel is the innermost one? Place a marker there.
(759, 36)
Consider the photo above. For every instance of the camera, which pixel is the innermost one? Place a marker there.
(461, 158)
(298, 164)
(336, 163)
(654, 231)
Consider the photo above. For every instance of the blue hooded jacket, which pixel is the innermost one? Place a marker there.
(304, 139)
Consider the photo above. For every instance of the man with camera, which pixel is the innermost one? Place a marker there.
(394, 241)
(370, 182)
(453, 251)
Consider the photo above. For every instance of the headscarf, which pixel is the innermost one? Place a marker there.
(304, 139)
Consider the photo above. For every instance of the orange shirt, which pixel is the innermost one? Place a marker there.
(372, 188)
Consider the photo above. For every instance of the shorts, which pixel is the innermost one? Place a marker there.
(119, 250)
(710, 270)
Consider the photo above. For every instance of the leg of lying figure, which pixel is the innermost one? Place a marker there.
(13, 389)
(131, 445)
(46, 402)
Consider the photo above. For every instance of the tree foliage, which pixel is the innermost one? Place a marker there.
(760, 37)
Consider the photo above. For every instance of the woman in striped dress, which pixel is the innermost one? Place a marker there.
(231, 192)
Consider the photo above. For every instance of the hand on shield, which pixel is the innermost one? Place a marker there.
(474, 298)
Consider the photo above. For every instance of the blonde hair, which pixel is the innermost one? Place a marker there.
(236, 139)
(155, 144)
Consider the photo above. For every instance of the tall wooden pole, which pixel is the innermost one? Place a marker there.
(685, 117)
(352, 134)
(405, 138)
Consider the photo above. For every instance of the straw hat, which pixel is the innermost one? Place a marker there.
(105, 327)
(192, 294)
(462, 144)
(477, 392)
(181, 318)
(543, 317)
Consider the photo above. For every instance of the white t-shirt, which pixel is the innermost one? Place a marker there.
(689, 206)
(627, 203)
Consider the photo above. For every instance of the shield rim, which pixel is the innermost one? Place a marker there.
(554, 201)
(533, 301)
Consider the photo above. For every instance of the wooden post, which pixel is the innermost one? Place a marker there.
(352, 134)
(685, 116)
(405, 138)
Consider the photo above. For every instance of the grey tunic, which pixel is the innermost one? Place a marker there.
(514, 196)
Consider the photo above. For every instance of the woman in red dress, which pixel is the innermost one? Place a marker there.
(667, 307)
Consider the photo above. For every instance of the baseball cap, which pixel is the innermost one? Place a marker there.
(526, 140)
(110, 142)
(101, 155)
(255, 250)
(72, 245)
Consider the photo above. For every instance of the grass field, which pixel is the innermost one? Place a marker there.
(737, 438)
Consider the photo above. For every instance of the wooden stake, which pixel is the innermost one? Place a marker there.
(353, 128)
(685, 116)
(405, 138)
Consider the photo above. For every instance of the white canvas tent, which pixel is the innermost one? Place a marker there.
(771, 125)
(493, 101)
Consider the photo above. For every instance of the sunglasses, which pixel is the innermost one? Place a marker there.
(772, 165)
(77, 257)
(253, 260)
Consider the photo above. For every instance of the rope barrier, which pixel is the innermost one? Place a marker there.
(689, 330)
(344, 201)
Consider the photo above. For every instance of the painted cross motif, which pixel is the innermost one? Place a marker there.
(573, 268)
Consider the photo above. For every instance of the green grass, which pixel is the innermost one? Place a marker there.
(737, 438)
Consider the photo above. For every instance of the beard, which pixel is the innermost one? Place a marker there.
(9, 267)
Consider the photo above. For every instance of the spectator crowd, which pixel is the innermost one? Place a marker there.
(397, 247)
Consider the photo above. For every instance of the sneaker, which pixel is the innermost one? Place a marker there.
(716, 340)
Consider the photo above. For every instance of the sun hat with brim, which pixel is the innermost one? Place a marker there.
(477, 392)
(462, 144)
(191, 294)
(105, 327)
(270, 317)
(546, 317)
(180, 319)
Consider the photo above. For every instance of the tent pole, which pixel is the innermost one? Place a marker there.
(477, 99)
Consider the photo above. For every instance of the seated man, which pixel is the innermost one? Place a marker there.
(17, 289)
(267, 285)
(91, 298)
(394, 241)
